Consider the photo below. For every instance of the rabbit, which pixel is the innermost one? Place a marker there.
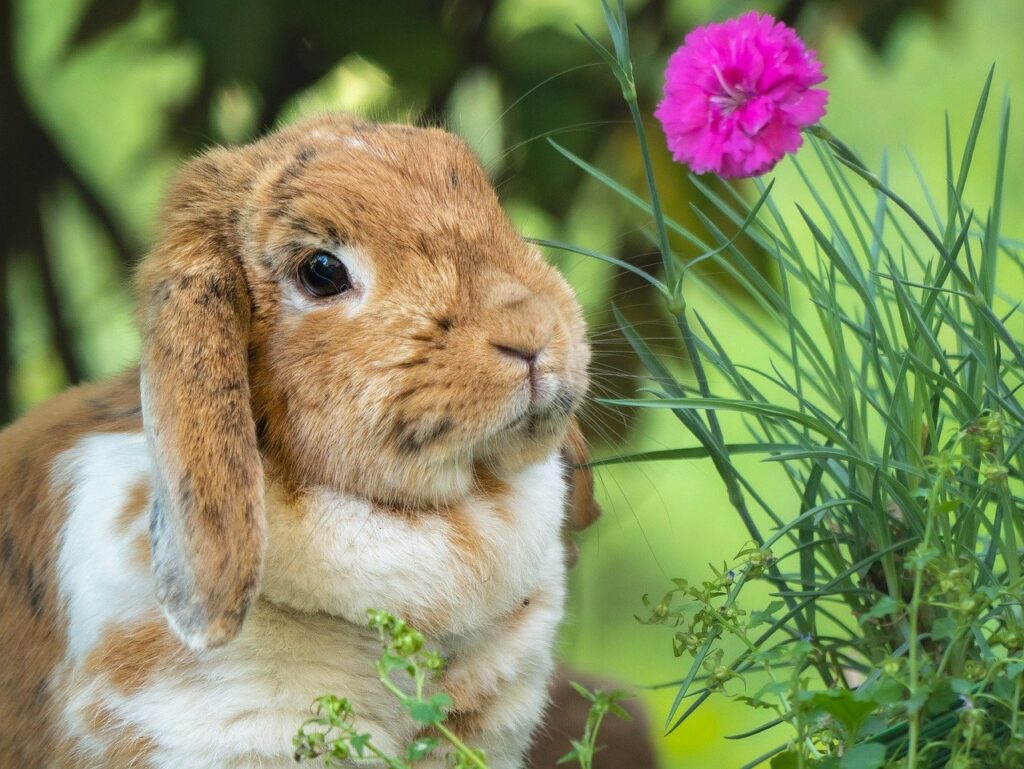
(357, 389)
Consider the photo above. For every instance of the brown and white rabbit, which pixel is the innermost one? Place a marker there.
(355, 388)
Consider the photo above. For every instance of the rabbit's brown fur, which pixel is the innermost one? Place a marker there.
(178, 599)
(31, 512)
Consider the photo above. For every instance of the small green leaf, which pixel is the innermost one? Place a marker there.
(441, 700)
(583, 691)
(421, 747)
(430, 711)
(944, 629)
(359, 741)
(390, 663)
(619, 712)
(578, 751)
(916, 700)
(776, 689)
(764, 616)
(961, 685)
(844, 706)
(884, 607)
(943, 697)
(885, 691)
(867, 755)
(788, 760)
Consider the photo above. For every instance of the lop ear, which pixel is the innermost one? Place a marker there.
(583, 509)
(207, 523)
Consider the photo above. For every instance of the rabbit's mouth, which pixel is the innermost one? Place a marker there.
(530, 435)
(541, 410)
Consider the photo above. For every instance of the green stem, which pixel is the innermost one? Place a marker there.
(915, 607)
(667, 259)
(592, 741)
(460, 746)
(386, 682)
(678, 308)
(392, 763)
(1016, 710)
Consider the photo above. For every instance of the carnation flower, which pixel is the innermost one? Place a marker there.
(737, 95)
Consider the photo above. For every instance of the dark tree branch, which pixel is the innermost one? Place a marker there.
(99, 19)
(125, 252)
(60, 330)
(474, 43)
(30, 165)
(791, 11)
(6, 405)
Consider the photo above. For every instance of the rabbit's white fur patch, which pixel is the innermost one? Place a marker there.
(342, 555)
(94, 565)
(329, 558)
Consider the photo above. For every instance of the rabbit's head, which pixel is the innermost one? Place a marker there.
(339, 305)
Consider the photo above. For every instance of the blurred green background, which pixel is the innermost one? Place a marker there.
(100, 100)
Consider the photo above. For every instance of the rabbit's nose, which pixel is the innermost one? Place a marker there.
(521, 325)
(523, 332)
(528, 354)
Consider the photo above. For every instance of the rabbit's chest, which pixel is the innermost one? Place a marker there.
(236, 707)
(447, 572)
(485, 581)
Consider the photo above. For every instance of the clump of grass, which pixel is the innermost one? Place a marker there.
(892, 407)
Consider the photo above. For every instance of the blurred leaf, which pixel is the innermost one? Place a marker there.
(883, 607)
(867, 755)
(844, 706)
(475, 113)
(788, 760)
(429, 711)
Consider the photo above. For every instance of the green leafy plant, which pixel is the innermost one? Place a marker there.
(601, 704)
(891, 404)
(333, 736)
(332, 733)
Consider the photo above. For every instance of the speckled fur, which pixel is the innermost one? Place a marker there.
(188, 551)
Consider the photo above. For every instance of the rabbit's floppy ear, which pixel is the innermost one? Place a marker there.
(207, 522)
(583, 509)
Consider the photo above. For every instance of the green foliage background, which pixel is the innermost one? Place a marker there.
(101, 100)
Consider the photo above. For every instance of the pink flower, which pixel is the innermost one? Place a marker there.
(737, 95)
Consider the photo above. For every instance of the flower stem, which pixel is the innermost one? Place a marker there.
(667, 258)
(678, 309)
(677, 306)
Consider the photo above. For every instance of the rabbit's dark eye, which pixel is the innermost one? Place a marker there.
(323, 274)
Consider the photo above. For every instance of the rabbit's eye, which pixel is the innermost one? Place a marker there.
(323, 274)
